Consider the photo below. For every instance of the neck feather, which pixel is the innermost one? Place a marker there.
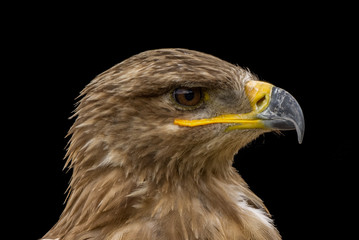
(118, 203)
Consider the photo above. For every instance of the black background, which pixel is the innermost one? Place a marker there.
(51, 54)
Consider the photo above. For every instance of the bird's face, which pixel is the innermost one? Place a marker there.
(180, 110)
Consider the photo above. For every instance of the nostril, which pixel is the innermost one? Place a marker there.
(261, 101)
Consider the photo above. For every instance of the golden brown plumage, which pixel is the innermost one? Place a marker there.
(137, 175)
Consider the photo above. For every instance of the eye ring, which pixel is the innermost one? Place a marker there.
(188, 97)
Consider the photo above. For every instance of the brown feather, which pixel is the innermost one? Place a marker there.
(136, 175)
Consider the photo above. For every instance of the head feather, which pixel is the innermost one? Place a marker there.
(136, 175)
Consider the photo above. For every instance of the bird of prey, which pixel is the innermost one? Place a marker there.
(152, 149)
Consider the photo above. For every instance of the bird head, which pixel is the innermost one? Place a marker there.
(175, 112)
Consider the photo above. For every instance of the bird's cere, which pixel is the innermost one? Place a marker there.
(259, 94)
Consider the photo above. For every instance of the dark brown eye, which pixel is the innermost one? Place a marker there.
(188, 96)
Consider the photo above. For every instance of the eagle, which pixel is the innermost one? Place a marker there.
(152, 146)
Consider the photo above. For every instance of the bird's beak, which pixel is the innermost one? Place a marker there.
(272, 108)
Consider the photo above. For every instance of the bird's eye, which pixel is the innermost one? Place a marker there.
(188, 96)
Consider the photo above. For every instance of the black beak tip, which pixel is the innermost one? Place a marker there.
(299, 127)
